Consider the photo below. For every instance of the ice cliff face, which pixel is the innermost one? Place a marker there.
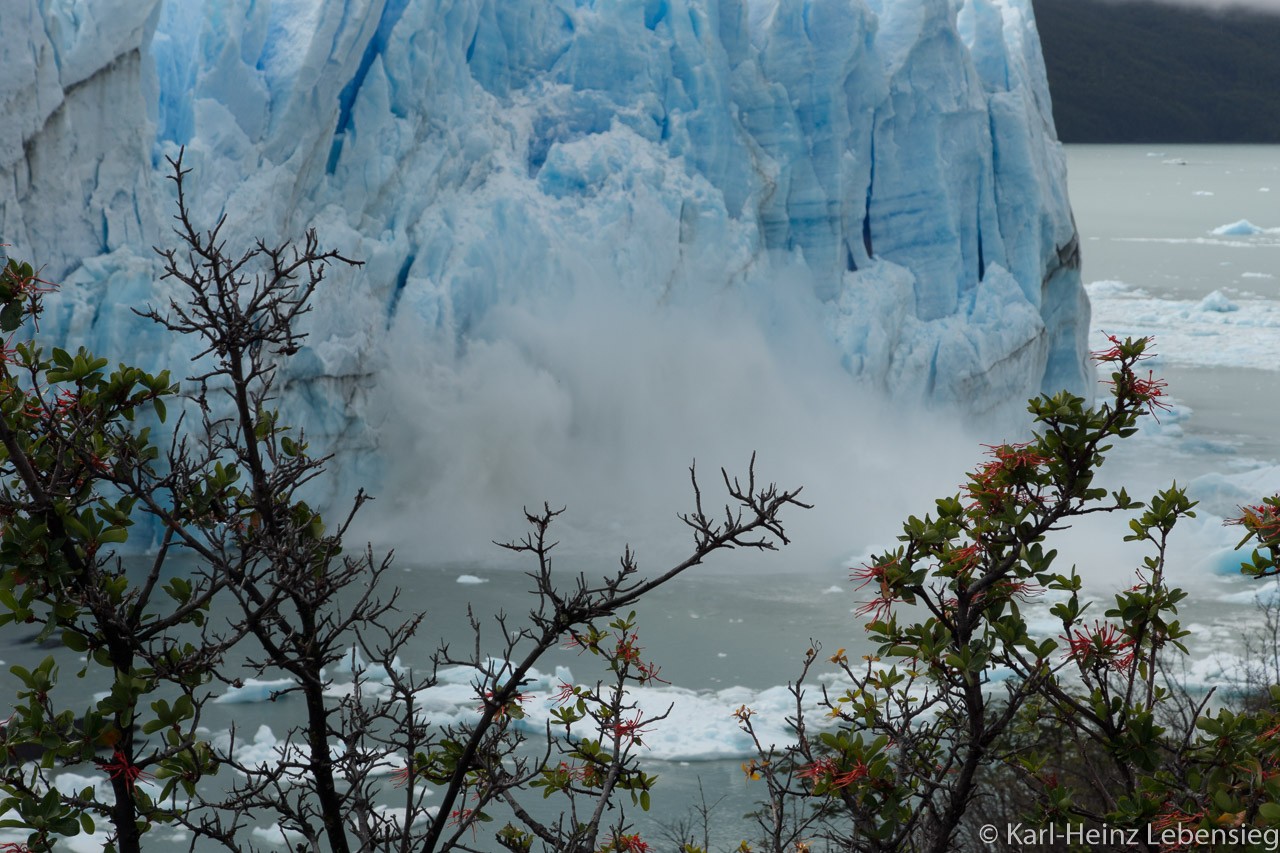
(889, 166)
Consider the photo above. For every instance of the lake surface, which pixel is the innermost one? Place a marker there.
(726, 634)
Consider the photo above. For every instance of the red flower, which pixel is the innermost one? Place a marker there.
(1172, 817)
(627, 650)
(1024, 590)
(828, 769)
(649, 673)
(629, 844)
(630, 730)
(873, 572)
(1011, 456)
(566, 690)
(1104, 645)
(519, 699)
(961, 562)
(1149, 391)
(1262, 520)
(578, 773)
(120, 767)
(1114, 354)
(877, 609)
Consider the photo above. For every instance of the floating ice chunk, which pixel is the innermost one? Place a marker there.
(1107, 287)
(266, 748)
(1267, 595)
(1187, 334)
(1224, 494)
(1264, 189)
(277, 835)
(1218, 301)
(351, 663)
(396, 815)
(1202, 192)
(94, 842)
(255, 690)
(471, 579)
(1241, 228)
(1256, 275)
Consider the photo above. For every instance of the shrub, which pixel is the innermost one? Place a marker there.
(964, 714)
(77, 471)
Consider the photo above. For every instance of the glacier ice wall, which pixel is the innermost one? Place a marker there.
(881, 175)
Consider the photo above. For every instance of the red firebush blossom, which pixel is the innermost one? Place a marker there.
(1105, 645)
(1262, 520)
(876, 608)
(1149, 391)
(629, 844)
(878, 572)
(828, 770)
(1004, 478)
(1114, 354)
(960, 562)
(519, 699)
(628, 652)
(1173, 817)
(873, 572)
(629, 731)
(566, 692)
(1009, 457)
(121, 767)
(586, 774)
(1021, 590)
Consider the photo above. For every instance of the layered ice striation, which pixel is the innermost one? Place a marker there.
(886, 167)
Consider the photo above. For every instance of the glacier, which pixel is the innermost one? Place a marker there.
(563, 204)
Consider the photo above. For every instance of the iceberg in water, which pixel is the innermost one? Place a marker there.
(875, 180)
(1240, 228)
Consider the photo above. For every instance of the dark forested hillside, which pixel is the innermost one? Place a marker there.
(1146, 72)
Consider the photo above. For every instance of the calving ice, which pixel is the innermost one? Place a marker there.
(534, 185)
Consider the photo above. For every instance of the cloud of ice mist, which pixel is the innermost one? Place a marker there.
(600, 403)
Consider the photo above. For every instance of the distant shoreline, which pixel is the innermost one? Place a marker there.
(1142, 72)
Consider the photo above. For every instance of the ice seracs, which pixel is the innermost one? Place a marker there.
(890, 167)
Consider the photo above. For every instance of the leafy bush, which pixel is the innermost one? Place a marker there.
(77, 472)
(967, 729)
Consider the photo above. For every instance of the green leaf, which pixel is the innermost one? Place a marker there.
(113, 534)
(74, 641)
(11, 316)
